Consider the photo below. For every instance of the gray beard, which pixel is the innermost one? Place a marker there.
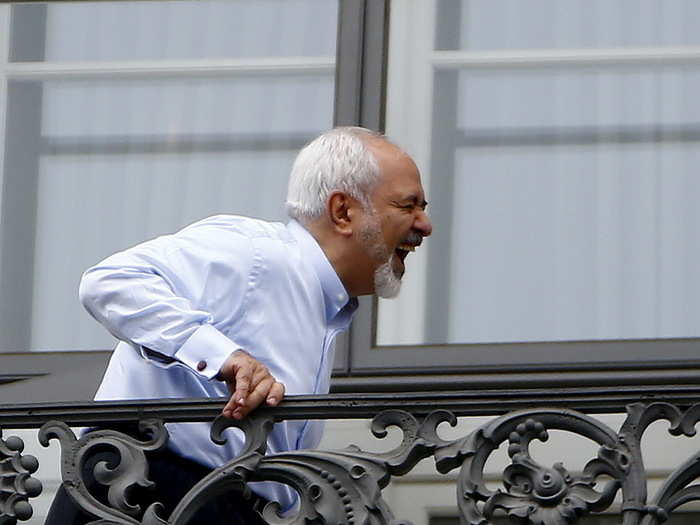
(387, 284)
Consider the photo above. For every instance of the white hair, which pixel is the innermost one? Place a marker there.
(337, 160)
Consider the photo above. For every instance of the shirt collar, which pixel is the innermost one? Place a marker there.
(335, 296)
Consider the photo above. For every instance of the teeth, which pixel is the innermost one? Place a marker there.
(407, 247)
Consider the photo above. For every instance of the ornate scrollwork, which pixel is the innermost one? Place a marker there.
(533, 493)
(345, 486)
(232, 476)
(677, 489)
(16, 482)
(334, 487)
(128, 470)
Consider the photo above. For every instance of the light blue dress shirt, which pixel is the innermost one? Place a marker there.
(180, 304)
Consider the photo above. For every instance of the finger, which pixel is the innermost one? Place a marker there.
(275, 394)
(245, 405)
(259, 395)
(230, 407)
(243, 377)
(259, 373)
(255, 398)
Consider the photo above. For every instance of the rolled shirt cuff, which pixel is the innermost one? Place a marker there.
(206, 350)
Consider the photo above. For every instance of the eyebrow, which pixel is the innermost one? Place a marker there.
(414, 199)
(423, 204)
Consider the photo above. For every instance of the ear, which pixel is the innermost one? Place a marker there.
(341, 210)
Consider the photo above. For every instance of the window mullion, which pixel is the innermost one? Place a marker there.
(4, 55)
(151, 68)
(536, 58)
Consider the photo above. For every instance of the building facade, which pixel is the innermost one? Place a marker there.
(558, 142)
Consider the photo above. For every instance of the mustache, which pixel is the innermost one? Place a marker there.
(414, 239)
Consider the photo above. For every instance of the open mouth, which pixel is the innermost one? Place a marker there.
(403, 250)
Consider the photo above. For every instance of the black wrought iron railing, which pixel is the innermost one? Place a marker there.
(345, 486)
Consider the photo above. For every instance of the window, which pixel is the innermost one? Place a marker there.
(130, 120)
(557, 142)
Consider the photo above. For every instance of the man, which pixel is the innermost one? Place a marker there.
(240, 308)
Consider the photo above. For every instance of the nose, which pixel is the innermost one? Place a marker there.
(423, 224)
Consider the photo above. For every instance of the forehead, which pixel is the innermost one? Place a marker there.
(398, 174)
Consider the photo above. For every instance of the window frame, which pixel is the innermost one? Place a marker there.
(360, 99)
(27, 376)
(22, 73)
(450, 366)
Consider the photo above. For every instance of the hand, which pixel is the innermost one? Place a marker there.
(250, 383)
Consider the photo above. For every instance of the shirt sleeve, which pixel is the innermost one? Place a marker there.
(173, 295)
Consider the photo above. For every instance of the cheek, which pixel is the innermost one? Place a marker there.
(398, 229)
(394, 225)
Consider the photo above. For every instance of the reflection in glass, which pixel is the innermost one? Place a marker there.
(477, 25)
(574, 243)
(240, 105)
(562, 198)
(542, 99)
(92, 205)
(97, 163)
(158, 30)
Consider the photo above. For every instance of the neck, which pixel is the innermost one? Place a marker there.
(335, 248)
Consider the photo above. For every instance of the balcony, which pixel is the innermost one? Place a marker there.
(345, 486)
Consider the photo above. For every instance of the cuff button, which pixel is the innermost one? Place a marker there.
(201, 365)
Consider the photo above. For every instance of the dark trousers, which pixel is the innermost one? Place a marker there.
(174, 476)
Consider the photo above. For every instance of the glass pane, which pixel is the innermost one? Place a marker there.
(574, 243)
(94, 165)
(563, 200)
(179, 30)
(576, 98)
(557, 24)
(125, 201)
(136, 109)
